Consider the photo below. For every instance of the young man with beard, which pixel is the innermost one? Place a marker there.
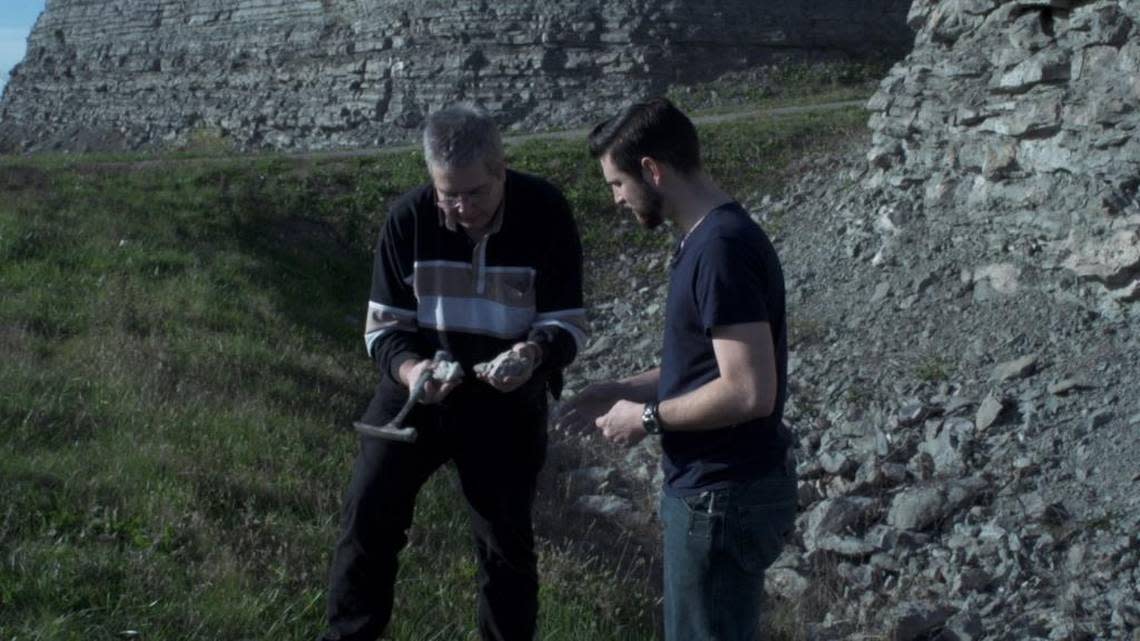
(716, 400)
(480, 261)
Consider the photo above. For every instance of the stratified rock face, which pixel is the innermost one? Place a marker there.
(287, 74)
(1021, 116)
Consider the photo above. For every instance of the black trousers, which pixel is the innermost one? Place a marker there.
(498, 444)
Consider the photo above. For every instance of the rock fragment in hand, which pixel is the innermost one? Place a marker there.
(447, 371)
(507, 364)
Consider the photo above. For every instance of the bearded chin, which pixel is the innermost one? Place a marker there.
(651, 217)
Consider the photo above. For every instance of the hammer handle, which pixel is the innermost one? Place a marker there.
(414, 397)
(394, 430)
(402, 434)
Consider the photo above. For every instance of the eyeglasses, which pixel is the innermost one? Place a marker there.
(451, 200)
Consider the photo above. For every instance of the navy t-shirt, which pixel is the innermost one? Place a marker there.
(725, 273)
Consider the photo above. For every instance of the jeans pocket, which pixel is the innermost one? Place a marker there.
(759, 532)
(695, 525)
(702, 525)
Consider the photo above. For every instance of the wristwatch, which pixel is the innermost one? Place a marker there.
(651, 419)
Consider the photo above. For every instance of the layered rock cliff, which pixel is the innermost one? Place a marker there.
(1018, 119)
(315, 74)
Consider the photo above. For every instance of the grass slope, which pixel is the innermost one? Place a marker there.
(182, 352)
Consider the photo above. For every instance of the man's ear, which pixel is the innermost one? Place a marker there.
(651, 171)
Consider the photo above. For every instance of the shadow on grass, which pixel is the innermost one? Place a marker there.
(51, 414)
(312, 258)
(311, 252)
(19, 177)
(319, 282)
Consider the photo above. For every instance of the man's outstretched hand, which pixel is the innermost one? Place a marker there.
(621, 425)
(603, 407)
(511, 369)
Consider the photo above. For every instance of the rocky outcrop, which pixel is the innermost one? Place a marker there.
(309, 74)
(1019, 119)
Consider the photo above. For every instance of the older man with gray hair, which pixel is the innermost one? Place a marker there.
(481, 262)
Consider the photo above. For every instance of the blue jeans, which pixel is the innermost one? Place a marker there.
(717, 546)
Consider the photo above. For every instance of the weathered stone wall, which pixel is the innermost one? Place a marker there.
(1020, 119)
(313, 74)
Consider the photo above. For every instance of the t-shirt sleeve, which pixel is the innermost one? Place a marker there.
(729, 284)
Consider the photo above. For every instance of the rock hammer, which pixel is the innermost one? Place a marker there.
(395, 430)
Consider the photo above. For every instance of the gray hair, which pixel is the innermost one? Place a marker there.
(461, 135)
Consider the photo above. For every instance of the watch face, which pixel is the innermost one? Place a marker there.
(649, 419)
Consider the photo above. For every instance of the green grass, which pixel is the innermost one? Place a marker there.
(933, 368)
(182, 351)
(786, 85)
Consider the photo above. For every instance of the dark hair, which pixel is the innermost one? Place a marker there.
(654, 128)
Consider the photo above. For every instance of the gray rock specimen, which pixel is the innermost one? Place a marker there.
(617, 508)
(989, 411)
(915, 620)
(1017, 368)
(508, 363)
(447, 372)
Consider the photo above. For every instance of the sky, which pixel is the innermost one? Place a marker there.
(16, 20)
